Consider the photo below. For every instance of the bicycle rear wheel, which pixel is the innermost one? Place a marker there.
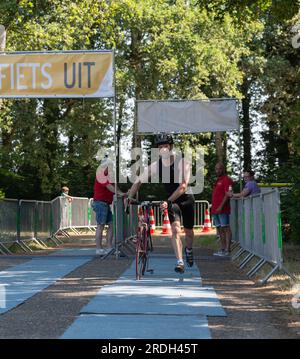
(141, 255)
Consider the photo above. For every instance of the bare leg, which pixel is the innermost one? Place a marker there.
(227, 238)
(223, 238)
(109, 235)
(176, 241)
(99, 234)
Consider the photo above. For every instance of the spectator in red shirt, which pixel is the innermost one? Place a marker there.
(104, 190)
(221, 209)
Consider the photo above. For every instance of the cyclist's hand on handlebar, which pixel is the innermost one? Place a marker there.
(163, 205)
(126, 202)
(166, 205)
(131, 200)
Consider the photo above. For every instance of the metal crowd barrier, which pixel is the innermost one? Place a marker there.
(9, 223)
(72, 214)
(43, 222)
(56, 217)
(65, 207)
(39, 221)
(125, 227)
(35, 223)
(256, 225)
(27, 223)
(91, 216)
(78, 211)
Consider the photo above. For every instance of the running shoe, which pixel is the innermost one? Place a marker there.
(219, 253)
(179, 268)
(100, 252)
(225, 254)
(189, 256)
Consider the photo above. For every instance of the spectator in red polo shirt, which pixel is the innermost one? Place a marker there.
(104, 190)
(221, 209)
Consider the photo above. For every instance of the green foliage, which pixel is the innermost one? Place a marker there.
(2, 194)
(290, 207)
(164, 49)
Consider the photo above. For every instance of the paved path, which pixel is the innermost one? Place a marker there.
(163, 305)
(24, 280)
(252, 312)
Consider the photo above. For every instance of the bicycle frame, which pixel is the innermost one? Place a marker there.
(143, 241)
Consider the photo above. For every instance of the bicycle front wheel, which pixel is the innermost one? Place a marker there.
(141, 262)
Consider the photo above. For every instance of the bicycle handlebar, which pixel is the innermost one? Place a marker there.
(143, 203)
(133, 201)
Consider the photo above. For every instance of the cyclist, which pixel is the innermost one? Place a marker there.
(180, 200)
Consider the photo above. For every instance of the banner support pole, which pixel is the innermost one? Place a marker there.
(240, 158)
(116, 154)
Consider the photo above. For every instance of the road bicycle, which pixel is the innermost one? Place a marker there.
(143, 239)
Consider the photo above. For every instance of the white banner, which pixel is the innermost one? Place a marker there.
(187, 116)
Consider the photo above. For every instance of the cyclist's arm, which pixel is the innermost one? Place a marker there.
(184, 168)
(143, 178)
(111, 187)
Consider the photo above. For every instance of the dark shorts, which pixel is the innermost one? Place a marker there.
(103, 212)
(185, 211)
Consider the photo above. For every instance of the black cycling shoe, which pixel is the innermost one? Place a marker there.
(189, 257)
(179, 268)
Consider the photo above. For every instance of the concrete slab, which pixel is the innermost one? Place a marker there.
(138, 327)
(25, 280)
(162, 294)
(143, 299)
(163, 267)
(74, 252)
(163, 281)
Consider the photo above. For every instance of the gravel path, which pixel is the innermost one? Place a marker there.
(251, 310)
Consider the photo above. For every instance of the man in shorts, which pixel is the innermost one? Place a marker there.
(221, 209)
(104, 190)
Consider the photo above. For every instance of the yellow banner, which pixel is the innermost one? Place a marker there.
(66, 74)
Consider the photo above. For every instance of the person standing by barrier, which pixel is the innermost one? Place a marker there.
(66, 207)
(65, 193)
(250, 188)
(104, 190)
(180, 200)
(221, 209)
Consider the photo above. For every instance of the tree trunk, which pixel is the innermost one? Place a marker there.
(136, 63)
(246, 124)
(118, 137)
(283, 150)
(219, 147)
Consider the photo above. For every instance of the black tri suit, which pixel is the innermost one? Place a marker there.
(183, 206)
